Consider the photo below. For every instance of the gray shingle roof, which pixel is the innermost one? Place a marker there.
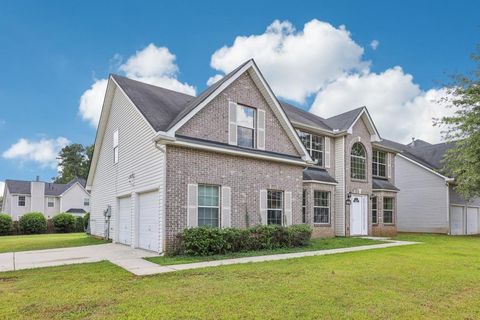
(74, 210)
(381, 184)
(158, 105)
(343, 121)
(51, 189)
(317, 174)
(296, 114)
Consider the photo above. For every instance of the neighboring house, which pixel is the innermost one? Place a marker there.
(234, 156)
(428, 201)
(21, 197)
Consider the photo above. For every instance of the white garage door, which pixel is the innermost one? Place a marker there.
(124, 221)
(148, 221)
(472, 220)
(456, 220)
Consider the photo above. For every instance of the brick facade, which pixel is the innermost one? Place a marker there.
(380, 228)
(245, 176)
(211, 123)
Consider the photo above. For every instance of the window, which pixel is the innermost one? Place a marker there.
(208, 205)
(374, 211)
(321, 207)
(274, 207)
(314, 144)
(388, 210)
(21, 201)
(245, 127)
(115, 146)
(304, 206)
(379, 163)
(50, 202)
(358, 161)
(86, 202)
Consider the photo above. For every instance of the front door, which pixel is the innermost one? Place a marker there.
(359, 215)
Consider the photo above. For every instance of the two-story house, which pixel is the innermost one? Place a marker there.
(234, 156)
(21, 197)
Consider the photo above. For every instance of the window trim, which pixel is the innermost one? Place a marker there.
(282, 209)
(359, 157)
(24, 201)
(254, 128)
(377, 164)
(115, 146)
(52, 199)
(310, 149)
(375, 199)
(390, 210)
(88, 200)
(219, 206)
(324, 207)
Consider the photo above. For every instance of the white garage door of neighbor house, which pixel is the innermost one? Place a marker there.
(473, 220)
(148, 221)
(125, 221)
(456, 220)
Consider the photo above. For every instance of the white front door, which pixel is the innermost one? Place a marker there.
(359, 215)
(472, 220)
(124, 221)
(148, 221)
(456, 220)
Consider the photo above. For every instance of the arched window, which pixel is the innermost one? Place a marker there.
(358, 162)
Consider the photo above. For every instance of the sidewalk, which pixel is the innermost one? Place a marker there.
(132, 259)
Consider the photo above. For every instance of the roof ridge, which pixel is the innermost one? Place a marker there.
(114, 75)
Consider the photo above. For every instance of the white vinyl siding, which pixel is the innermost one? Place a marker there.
(73, 198)
(340, 189)
(141, 167)
(422, 202)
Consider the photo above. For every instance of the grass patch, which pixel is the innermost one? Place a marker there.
(315, 244)
(46, 241)
(437, 279)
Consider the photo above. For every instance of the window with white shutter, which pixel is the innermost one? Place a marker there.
(261, 130)
(232, 123)
(389, 155)
(327, 152)
(288, 208)
(226, 207)
(192, 205)
(263, 206)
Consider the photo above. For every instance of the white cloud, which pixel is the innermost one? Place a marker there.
(43, 152)
(214, 79)
(296, 63)
(153, 65)
(399, 107)
(374, 44)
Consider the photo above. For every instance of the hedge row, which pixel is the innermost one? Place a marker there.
(203, 241)
(35, 222)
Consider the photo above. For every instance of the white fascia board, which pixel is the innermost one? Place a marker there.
(447, 179)
(320, 182)
(374, 135)
(313, 129)
(233, 152)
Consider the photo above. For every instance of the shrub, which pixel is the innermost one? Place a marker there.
(79, 224)
(86, 220)
(33, 222)
(6, 224)
(204, 241)
(64, 222)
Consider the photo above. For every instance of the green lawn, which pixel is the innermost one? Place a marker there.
(439, 279)
(315, 244)
(46, 241)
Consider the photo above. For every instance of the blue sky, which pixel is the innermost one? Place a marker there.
(52, 52)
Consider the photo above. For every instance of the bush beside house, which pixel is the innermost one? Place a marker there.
(64, 223)
(6, 224)
(202, 241)
(33, 222)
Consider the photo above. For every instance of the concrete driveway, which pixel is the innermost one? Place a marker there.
(123, 256)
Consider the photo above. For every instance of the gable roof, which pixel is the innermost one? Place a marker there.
(300, 116)
(382, 184)
(51, 189)
(158, 105)
(312, 174)
(344, 121)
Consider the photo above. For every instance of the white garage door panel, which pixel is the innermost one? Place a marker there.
(472, 220)
(124, 221)
(456, 220)
(148, 221)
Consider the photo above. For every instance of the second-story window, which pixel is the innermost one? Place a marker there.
(50, 202)
(358, 162)
(379, 163)
(314, 144)
(245, 126)
(21, 201)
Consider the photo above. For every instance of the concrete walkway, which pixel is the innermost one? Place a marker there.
(132, 259)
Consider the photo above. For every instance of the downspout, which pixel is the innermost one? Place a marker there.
(164, 195)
